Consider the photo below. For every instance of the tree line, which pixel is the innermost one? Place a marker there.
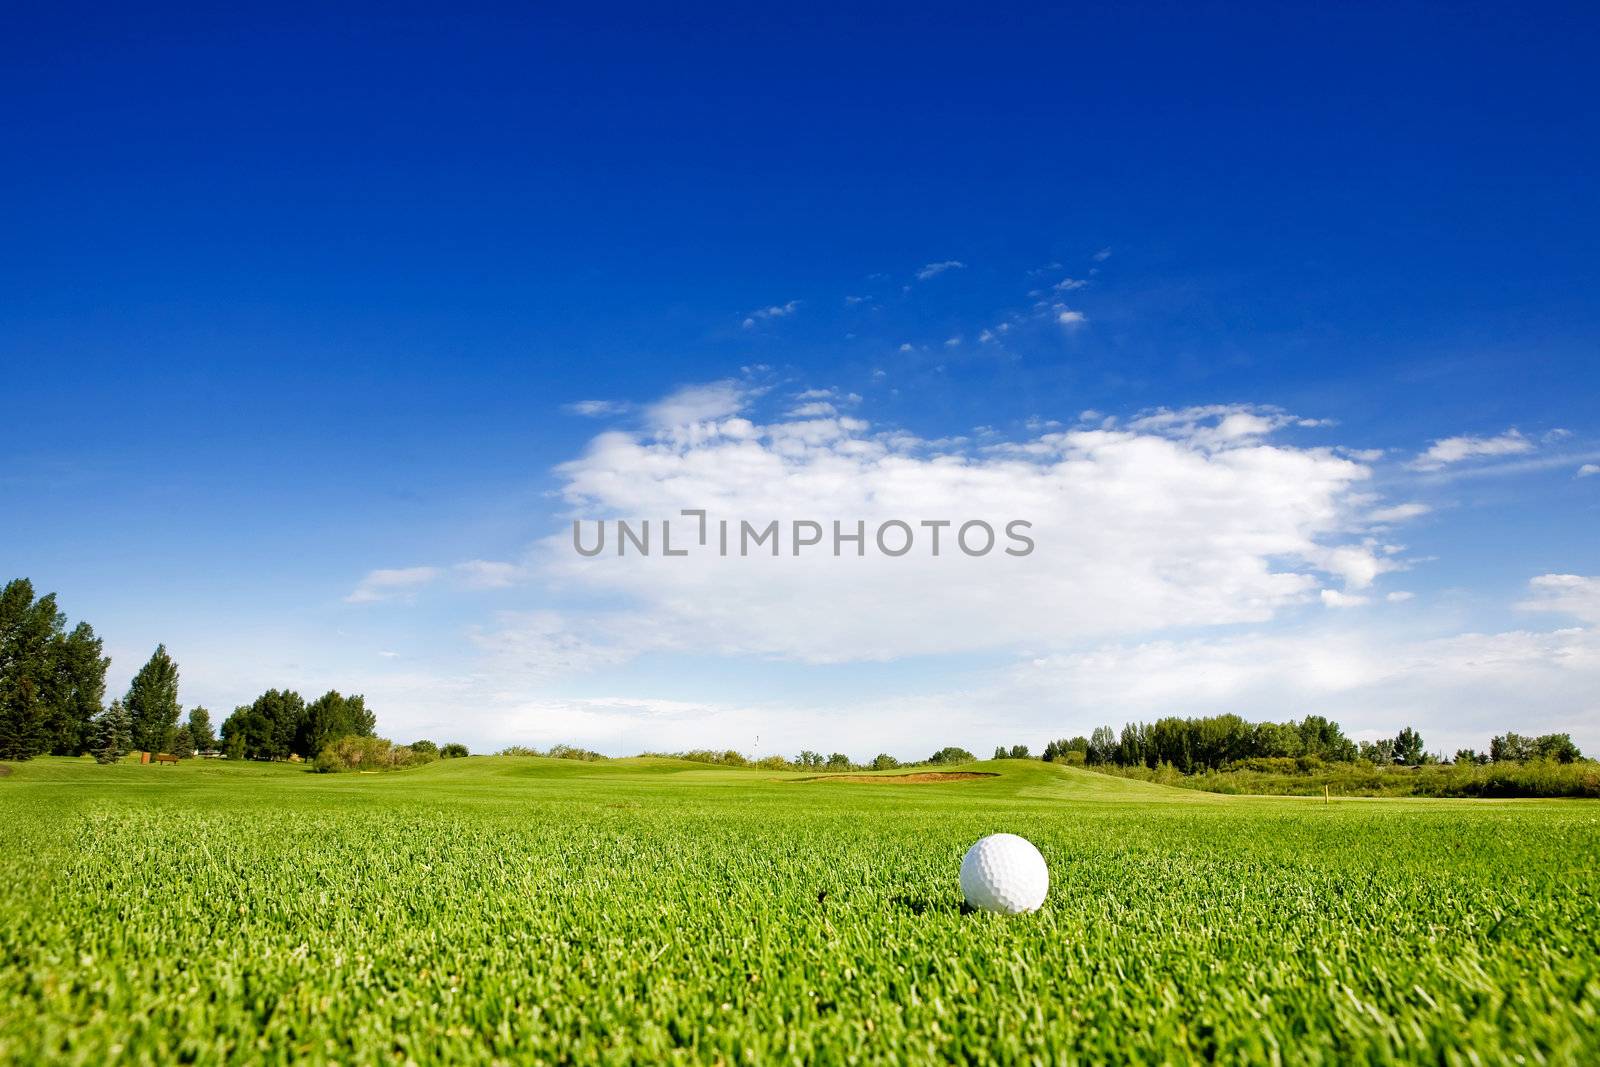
(53, 684)
(52, 701)
(1219, 742)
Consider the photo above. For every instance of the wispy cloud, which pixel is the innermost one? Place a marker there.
(389, 583)
(1069, 317)
(595, 408)
(1587, 469)
(1568, 594)
(1450, 450)
(774, 311)
(933, 270)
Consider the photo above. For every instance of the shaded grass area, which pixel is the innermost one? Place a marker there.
(545, 910)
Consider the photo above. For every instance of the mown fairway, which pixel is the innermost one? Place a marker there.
(522, 910)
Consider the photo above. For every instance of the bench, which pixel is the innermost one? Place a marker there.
(164, 757)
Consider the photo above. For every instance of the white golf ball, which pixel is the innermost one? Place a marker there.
(1004, 873)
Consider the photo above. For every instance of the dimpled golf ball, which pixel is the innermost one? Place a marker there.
(1004, 873)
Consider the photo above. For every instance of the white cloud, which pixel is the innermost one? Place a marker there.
(1185, 518)
(775, 311)
(1398, 513)
(1587, 469)
(952, 342)
(386, 584)
(1455, 449)
(812, 410)
(694, 404)
(1102, 255)
(1568, 594)
(1399, 596)
(595, 408)
(1332, 598)
(1069, 317)
(1066, 285)
(933, 270)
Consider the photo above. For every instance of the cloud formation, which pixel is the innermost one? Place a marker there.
(1179, 518)
(1455, 449)
(1569, 594)
(933, 270)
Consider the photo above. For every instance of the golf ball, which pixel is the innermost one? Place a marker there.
(1004, 873)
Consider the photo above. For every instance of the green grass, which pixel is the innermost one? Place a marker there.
(525, 910)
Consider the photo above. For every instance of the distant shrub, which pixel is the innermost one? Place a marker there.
(884, 762)
(1534, 778)
(368, 754)
(454, 750)
(951, 754)
(518, 750)
(774, 763)
(424, 746)
(725, 758)
(573, 752)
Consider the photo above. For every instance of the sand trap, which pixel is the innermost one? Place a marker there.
(917, 778)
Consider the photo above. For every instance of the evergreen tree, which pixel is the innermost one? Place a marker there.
(200, 731)
(114, 734)
(78, 692)
(28, 632)
(152, 702)
(182, 742)
(1407, 747)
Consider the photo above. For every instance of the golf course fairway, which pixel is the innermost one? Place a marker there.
(500, 909)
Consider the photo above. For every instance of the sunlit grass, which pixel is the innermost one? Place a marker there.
(525, 909)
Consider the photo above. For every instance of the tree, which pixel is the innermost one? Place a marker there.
(1469, 757)
(427, 748)
(1378, 753)
(1322, 738)
(272, 727)
(952, 754)
(1408, 747)
(1512, 748)
(884, 762)
(183, 742)
(1131, 745)
(838, 761)
(1557, 747)
(455, 750)
(330, 717)
(1102, 745)
(152, 702)
(28, 632)
(113, 734)
(200, 729)
(78, 690)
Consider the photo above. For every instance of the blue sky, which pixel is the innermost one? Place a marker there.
(287, 298)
